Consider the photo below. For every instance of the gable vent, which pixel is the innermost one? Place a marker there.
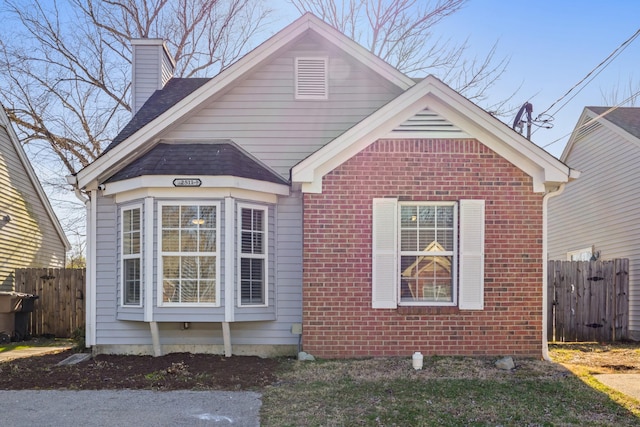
(587, 128)
(311, 78)
(428, 122)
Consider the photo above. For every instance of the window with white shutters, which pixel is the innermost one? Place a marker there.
(416, 258)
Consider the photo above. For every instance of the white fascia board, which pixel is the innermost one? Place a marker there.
(515, 148)
(431, 92)
(31, 174)
(354, 140)
(615, 128)
(584, 118)
(208, 182)
(195, 194)
(149, 133)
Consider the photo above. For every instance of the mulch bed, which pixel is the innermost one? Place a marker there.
(178, 371)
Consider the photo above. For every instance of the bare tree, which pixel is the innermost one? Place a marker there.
(624, 96)
(65, 73)
(402, 32)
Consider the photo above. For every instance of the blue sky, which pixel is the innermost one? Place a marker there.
(552, 45)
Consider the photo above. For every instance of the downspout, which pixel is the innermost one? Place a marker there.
(89, 203)
(545, 256)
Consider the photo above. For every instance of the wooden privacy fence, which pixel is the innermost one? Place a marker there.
(588, 300)
(59, 309)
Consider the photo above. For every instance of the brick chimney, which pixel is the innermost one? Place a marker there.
(152, 67)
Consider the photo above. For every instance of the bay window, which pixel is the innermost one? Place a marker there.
(131, 256)
(189, 253)
(252, 254)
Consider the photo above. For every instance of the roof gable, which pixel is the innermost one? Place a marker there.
(625, 121)
(143, 133)
(431, 93)
(35, 182)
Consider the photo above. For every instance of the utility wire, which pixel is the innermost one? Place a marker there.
(615, 107)
(605, 62)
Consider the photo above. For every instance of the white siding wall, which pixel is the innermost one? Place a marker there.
(602, 207)
(30, 238)
(261, 114)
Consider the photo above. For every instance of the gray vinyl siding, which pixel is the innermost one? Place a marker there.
(602, 207)
(108, 329)
(260, 112)
(30, 238)
(271, 325)
(152, 70)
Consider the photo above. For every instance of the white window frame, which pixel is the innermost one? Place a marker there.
(385, 272)
(161, 254)
(124, 256)
(580, 254)
(264, 256)
(453, 254)
(314, 85)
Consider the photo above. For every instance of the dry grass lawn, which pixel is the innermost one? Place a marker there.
(456, 391)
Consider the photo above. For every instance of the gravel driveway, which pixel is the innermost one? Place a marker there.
(128, 407)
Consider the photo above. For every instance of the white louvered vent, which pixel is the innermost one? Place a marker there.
(431, 122)
(589, 127)
(311, 78)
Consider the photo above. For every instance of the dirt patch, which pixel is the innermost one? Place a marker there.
(184, 371)
(178, 371)
(599, 358)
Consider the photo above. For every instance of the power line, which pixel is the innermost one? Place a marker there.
(595, 118)
(605, 62)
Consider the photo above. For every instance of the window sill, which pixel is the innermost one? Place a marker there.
(416, 310)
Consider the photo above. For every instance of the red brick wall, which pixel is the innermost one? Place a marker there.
(338, 320)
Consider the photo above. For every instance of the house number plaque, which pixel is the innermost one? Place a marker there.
(187, 182)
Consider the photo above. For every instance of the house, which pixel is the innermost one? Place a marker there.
(30, 234)
(312, 196)
(599, 214)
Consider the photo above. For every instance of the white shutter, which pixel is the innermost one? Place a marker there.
(384, 256)
(471, 283)
(311, 78)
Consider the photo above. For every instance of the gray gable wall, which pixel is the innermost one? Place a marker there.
(601, 209)
(627, 118)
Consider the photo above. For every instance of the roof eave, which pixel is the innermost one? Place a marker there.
(533, 160)
(146, 134)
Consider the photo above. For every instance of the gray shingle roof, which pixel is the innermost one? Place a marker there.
(627, 118)
(216, 158)
(175, 90)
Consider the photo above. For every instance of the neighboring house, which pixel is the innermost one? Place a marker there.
(312, 187)
(30, 234)
(599, 214)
